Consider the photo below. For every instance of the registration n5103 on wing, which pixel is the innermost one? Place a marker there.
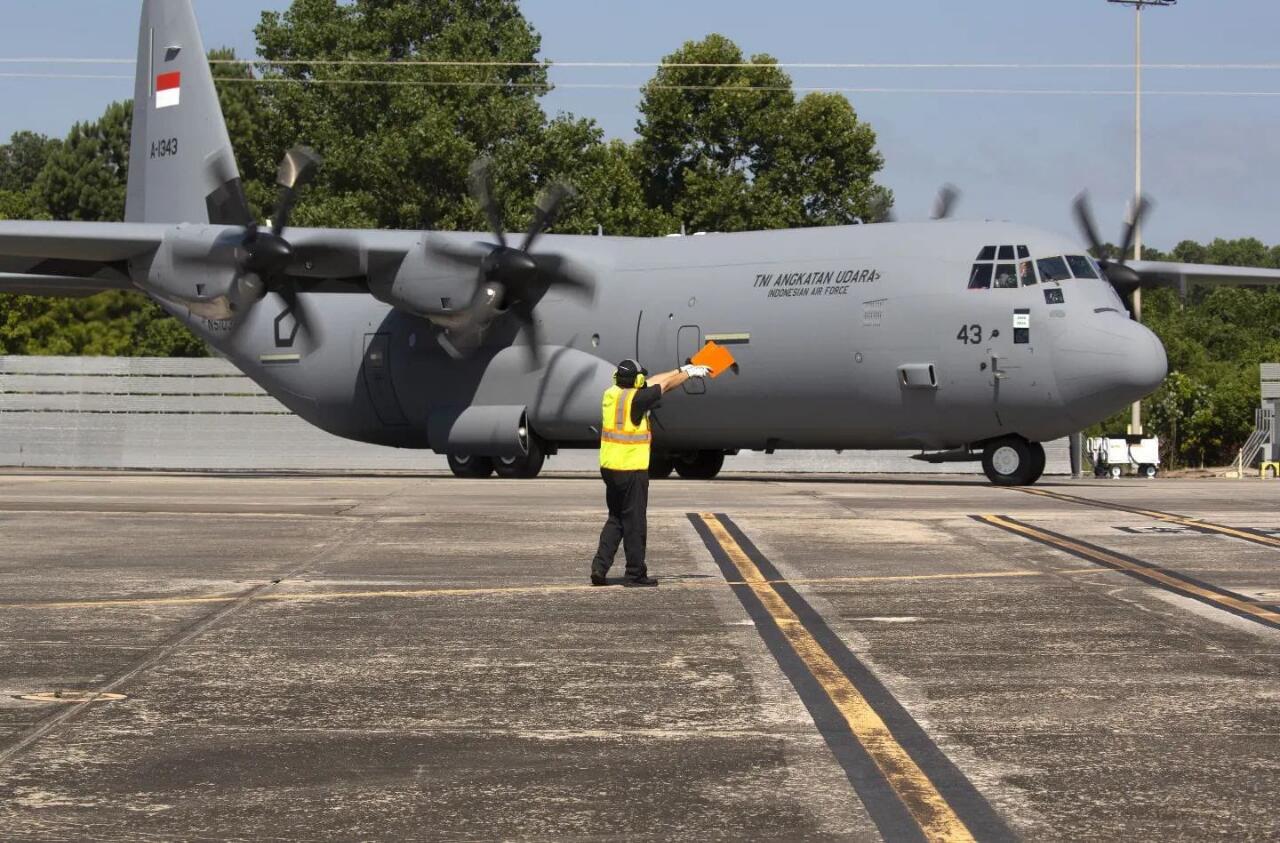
(972, 338)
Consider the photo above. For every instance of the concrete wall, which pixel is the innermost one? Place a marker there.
(119, 412)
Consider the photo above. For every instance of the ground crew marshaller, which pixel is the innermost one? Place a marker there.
(625, 440)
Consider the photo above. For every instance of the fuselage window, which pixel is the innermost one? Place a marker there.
(1023, 253)
(980, 277)
(1006, 253)
(1006, 276)
(1081, 266)
(988, 253)
(1053, 269)
(1027, 273)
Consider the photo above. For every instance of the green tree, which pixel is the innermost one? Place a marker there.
(397, 154)
(84, 178)
(725, 146)
(22, 159)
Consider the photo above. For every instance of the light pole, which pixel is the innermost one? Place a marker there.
(1135, 426)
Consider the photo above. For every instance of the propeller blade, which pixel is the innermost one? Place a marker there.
(1084, 218)
(225, 190)
(1131, 228)
(547, 211)
(945, 203)
(298, 167)
(523, 311)
(480, 180)
(560, 271)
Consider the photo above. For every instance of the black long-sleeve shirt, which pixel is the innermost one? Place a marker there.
(646, 399)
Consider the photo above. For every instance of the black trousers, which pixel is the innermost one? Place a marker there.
(627, 493)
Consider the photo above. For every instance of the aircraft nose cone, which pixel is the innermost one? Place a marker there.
(1103, 367)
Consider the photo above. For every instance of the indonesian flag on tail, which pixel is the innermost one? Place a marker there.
(168, 86)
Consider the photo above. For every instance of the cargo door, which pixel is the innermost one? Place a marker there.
(377, 379)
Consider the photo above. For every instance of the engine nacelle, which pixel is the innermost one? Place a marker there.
(486, 431)
(194, 264)
(425, 287)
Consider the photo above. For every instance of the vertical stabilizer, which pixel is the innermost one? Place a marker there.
(181, 165)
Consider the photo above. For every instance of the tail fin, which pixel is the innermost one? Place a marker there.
(181, 164)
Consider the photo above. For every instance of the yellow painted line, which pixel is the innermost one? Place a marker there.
(1168, 517)
(1111, 560)
(936, 818)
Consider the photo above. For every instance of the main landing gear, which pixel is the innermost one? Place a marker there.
(524, 467)
(695, 465)
(1013, 461)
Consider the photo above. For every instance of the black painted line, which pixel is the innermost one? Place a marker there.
(1097, 555)
(964, 798)
(1249, 534)
(882, 804)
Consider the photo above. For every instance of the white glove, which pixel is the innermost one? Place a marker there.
(698, 372)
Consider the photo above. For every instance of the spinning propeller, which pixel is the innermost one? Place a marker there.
(1124, 278)
(511, 278)
(261, 257)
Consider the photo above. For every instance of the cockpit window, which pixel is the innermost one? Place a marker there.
(980, 277)
(1023, 252)
(988, 253)
(1006, 278)
(1053, 269)
(1006, 253)
(1027, 273)
(1081, 266)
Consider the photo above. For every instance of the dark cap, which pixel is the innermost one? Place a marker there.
(627, 371)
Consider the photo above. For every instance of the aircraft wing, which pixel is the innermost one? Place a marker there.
(82, 258)
(71, 258)
(1165, 274)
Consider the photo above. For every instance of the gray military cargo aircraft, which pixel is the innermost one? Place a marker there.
(973, 340)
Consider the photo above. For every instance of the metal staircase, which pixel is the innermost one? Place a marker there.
(1264, 419)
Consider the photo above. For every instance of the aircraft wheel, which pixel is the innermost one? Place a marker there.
(1270, 473)
(522, 468)
(1148, 471)
(467, 466)
(1010, 462)
(700, 465)
(1037, 462)
(660, 466)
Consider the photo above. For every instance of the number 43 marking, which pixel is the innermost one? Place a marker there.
(970, 334)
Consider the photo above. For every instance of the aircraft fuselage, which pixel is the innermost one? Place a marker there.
(853, 337)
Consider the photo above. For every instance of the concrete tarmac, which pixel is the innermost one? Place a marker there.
(419, 657)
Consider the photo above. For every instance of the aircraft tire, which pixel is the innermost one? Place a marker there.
(660, 466)
(700, 465)
(469, 467)
(1011, 461)
(522, 468)
(1038, 461)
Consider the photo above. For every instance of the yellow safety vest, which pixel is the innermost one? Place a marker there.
(623, 446)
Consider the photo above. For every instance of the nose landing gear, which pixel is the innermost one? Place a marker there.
(1013, 461)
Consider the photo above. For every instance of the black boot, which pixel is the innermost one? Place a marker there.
(637, 582)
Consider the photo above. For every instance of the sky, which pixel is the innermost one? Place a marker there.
(1211, 163)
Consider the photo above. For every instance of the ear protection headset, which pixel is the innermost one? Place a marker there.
(630, 375)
